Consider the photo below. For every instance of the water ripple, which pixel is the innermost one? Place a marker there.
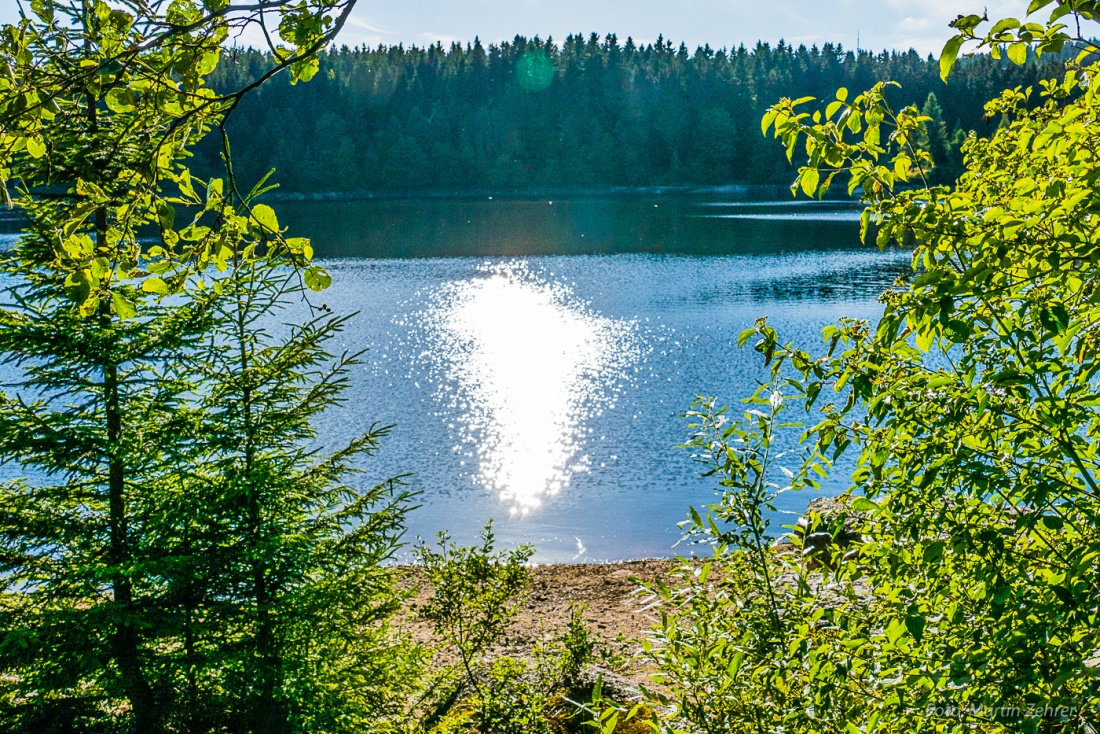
(527, 366)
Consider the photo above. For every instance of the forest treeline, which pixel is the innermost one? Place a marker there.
(590, 112)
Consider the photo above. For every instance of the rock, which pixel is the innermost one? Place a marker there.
(618, 688)
(828, 527)
(1092, 664)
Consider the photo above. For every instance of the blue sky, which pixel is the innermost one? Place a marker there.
(893, 24)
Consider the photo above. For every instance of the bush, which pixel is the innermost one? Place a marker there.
(476, 594)
(970, 600)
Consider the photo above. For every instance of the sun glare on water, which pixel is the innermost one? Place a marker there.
(530, 366)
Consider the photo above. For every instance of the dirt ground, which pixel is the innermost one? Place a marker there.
(615, 607)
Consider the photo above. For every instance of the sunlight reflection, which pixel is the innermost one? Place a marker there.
(530, 365)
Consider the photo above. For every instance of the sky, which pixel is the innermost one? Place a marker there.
(878, 24)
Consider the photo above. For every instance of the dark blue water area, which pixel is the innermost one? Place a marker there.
(537, 377)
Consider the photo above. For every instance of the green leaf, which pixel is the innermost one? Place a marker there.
(120, 99)
(1062, 11)
(895, 630)
(767, 120)
(735, 664)
(264, 215)
(809, 180)
(1004, 25)
(949, 55)
(916, 623)
(110, 67)
(166, 215)
(155, 285)
(207, 63)
(863, 504)
(123, 308)
(304, 70)
(316, 279)
(902, 163)
(933, 552)
(100, 268)
(925, 339)
(194, 234)
(300, 246)
(78, 286)
(36, 147)
(1065, 595)
(957, 331)
(1017, 53)
(214, 192)
(1037, 5)
(43, 9)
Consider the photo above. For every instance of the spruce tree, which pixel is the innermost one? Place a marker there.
(97, 407)
(301, 584)
(173, 556)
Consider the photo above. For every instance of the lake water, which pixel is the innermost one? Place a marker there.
(535, 373)
(535, 356)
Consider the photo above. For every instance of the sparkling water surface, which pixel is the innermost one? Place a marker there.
(537, 375)
(545, 392)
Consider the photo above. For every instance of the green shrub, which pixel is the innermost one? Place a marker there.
(476, 593)
(970, 600)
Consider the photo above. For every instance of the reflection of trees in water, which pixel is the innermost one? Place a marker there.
(646, 223)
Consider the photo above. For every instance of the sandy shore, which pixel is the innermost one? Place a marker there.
(614, 606)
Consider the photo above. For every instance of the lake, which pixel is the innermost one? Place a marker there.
(535, 356)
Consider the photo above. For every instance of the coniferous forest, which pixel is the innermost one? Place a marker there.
(587, 113)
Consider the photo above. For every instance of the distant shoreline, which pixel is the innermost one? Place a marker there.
(747, 191)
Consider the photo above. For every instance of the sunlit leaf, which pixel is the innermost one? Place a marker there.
(949, 55)
(154, 285)
(123, 307)
(36, 147)
(264, 215)
(316, 278)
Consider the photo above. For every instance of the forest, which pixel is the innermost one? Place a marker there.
(589, 113)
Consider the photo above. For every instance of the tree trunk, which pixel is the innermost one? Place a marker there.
(125, 642)
(270, 713)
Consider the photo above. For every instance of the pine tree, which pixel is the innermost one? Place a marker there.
(301, 553)
(167, 565)
(96, 415)
(934, 140)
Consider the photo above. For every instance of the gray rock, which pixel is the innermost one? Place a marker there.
(616, 687)
(827, 529)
